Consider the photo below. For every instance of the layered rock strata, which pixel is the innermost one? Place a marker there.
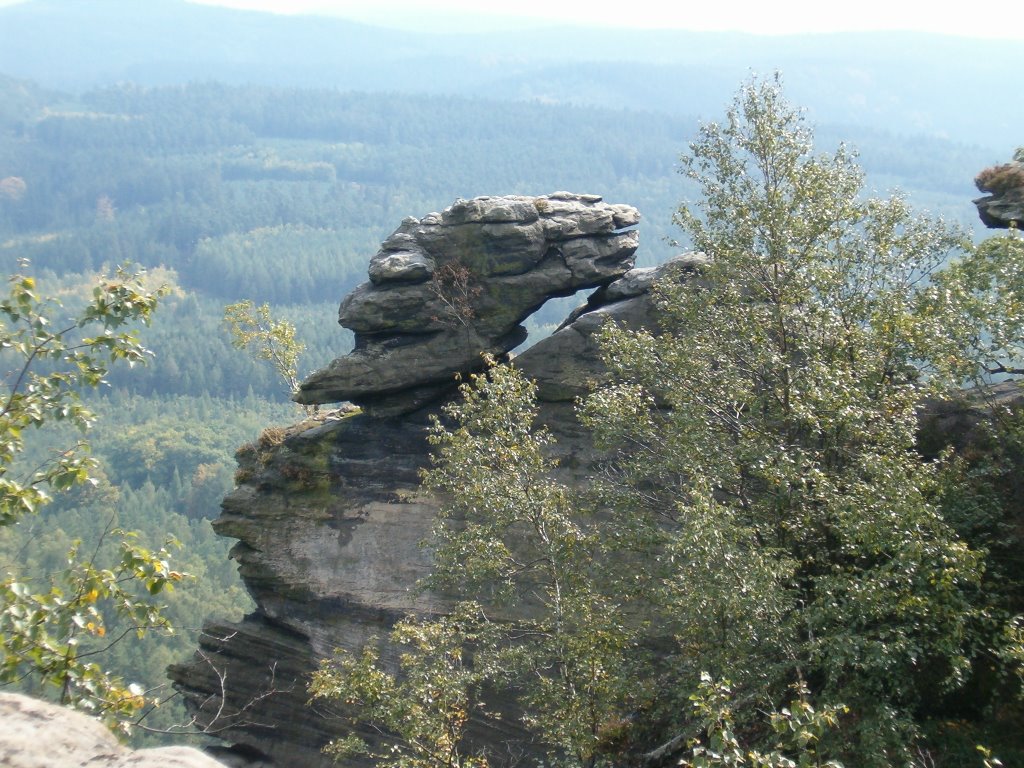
(329, 514)
(449, 287)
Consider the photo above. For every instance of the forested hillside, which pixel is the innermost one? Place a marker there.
(281, 195)
(906, 82)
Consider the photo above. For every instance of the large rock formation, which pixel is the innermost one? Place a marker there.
(329, 513)
(1003, 207)
(449, 287)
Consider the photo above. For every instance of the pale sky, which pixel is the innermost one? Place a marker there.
(994, 18)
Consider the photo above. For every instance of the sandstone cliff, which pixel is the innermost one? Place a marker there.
(328, 514)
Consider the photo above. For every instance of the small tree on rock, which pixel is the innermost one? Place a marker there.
(265, 337)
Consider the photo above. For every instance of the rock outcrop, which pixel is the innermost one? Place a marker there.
(1003, 207)
(329, 514)
(37, 734)
(449, 287)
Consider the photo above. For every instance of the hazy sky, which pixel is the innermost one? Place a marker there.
(994, 18)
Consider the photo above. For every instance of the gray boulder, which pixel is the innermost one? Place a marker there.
(37, 734)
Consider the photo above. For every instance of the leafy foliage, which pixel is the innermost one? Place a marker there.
(53, 632)
(58, 633)
(760, 511)
(798, 729)
(34, 397)
(783, 395)
(253, 329)
(423, 711)
(527, 543)
(519, 545)
(982, 300)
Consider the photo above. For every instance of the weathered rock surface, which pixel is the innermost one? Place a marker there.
(329, 514)
(37, 734)
(1004, 207)
(450, 287)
